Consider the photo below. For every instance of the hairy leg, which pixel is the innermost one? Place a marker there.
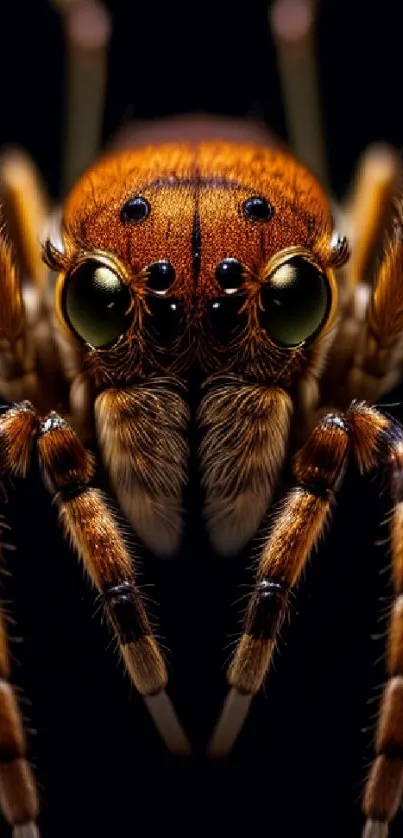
(91, 527)
(18, 794)
(365, 361)
(376, 441)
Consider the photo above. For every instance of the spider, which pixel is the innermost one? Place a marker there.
(200, 286)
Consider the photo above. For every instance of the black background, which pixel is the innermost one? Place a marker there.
(299, 765)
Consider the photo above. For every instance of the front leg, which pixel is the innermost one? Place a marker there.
(90, 525)
(18, 793)
(375, 441)
(88, 522)
(318, 469)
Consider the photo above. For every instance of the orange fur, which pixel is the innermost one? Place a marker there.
(209, 181)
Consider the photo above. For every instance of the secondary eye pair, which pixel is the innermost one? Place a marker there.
(294, 302)
(96, 302)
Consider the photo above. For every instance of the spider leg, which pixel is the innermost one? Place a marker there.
(366, 358)
(18, 794)
(367, 212)
(318, 469)
(377, 363)
(376, 441)
(90, 525)
(384, 788)
(25, 207)
(17, 376)
(30, 365)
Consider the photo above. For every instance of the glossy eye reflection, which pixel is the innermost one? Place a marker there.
(163, 319)
(135, 210)
(160, 276)
(95, 303)
(227, 318)
(230, 275)
(258, 209)
(295, 302)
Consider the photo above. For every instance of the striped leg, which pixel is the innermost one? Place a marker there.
(319, 467)
(366, 358)
(67, 470)
(90, 526)
(18, 794)
(30, 365)
(376, 441)
(384, 789)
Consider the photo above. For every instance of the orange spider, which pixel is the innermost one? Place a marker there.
(199, 283)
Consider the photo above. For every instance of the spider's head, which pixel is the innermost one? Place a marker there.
(197, 280)
(216, 255)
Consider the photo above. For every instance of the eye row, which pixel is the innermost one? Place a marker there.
(292, 304)
(161, 275)
(136, 209)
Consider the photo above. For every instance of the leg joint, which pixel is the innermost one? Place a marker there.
(126, 611)
(266, 609)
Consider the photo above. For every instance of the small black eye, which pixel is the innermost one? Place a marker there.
(225, 318)
(229, 274)
(164, 319)
(135, 210)
(95, 303)
(160, 276)
(295, 302)
(258, 209)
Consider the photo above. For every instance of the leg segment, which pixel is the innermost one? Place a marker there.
(367, 212)
(18, 795)
(375, 441)
(26, 210)
(90, 526)
(366, 357)
(16, 352)
(319, 467)
(67, 470)
(384, 788)
(29, 358)
(376, 366)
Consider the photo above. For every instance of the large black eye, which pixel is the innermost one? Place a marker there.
(226, 318)
(229, 275)
(95, 303)
(160, 276)
(135, 210)
(164, 319)
(295, 302)
(258, 209)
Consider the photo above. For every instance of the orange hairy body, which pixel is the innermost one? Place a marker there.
(196, 194)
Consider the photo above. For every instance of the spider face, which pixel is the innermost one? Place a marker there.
(217, 256)
(209, 263)
(197, 300)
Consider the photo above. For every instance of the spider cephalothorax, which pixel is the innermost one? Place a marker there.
(200, 261)
(216, 258)
(198, 285)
